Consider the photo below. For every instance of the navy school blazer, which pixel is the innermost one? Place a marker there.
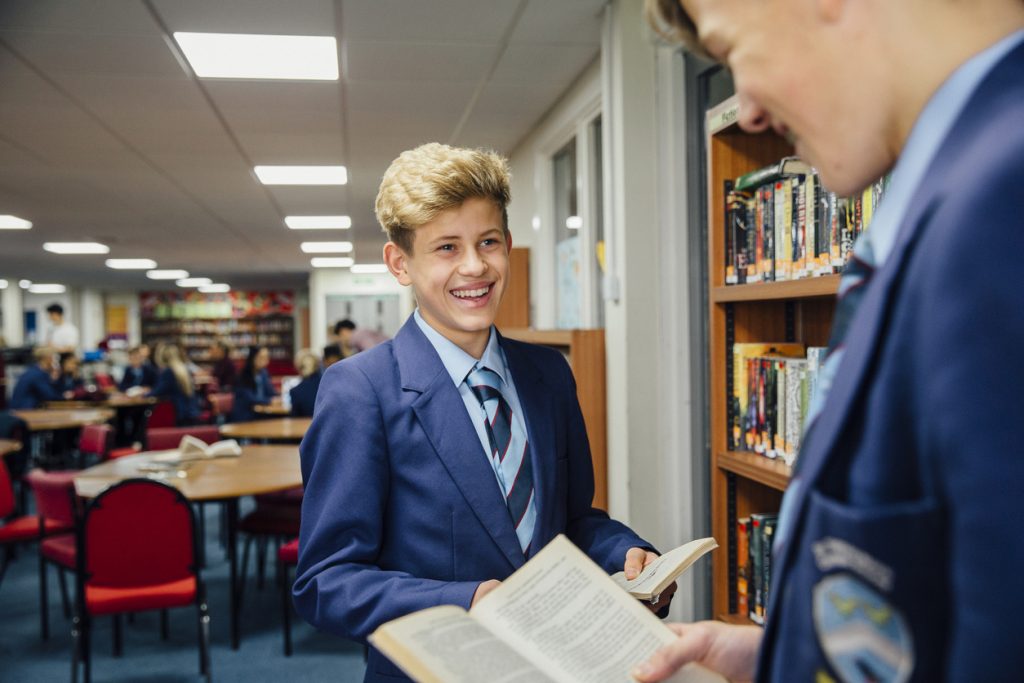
(402, 510)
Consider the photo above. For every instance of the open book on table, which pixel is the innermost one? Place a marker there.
(190, 449)
(558, 619)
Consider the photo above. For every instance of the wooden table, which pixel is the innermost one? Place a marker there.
(259, 469)
(112, 401)
(9, 446)
(272, 409)
(47, 419)
(276, 429)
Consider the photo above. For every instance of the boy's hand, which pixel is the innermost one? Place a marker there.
(636, 560)
(483, 589)
(729, 650)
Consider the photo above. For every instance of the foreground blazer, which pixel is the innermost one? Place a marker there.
(901, 555)
(402, 510)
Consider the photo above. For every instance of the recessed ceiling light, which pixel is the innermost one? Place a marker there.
(301, 175)
(326, 247)
(369, 268)
(331, 261)
(46, 289)
(3, 283)
(574, 222)
(76, 247)
(247, 55)
(8, 222)
(167, 274)
(216, 288)
(194, 282)
(318, 222)
(131, 263)
(24, 284)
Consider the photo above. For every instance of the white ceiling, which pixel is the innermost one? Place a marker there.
(105, 135)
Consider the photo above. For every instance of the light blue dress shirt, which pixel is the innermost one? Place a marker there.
(458, 363)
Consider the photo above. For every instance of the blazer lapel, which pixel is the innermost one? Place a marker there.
(442, 414)
(535, 399)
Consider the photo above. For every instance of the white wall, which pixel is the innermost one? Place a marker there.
(92, 327)
(340, 281)
(14, 318)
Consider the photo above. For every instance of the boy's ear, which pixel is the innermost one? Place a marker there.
(394, 259)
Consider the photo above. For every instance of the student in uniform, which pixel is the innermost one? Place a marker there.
(332, 354)
(70, 379)
(37, 384)
(897, 553)
(139, 373)
(253, 387)
(406, 505)
(174, 384)
(303, 395)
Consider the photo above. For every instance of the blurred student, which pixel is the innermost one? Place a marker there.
(253, 387)
(332, 354)
(37, 384)
(223, 370)
(70, 378)
(343, 330)
(139, 373)
(303, 395)
(174, 384)
(62, 335)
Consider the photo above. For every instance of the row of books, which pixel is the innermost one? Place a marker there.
(754, 536)
(782, 224)
(772, 386)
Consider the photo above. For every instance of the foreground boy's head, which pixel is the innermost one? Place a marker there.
(444, 211)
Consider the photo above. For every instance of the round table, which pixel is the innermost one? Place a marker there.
(259, 469)
(49, 419)
(276, 429)
(272, 409)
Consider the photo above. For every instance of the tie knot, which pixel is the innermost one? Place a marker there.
(484, 382)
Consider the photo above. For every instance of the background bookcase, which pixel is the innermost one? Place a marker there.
(788, 311)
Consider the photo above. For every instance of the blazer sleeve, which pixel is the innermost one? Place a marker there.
(126, 381)
(968, 365)
(165, 384)
(603, 539)
(339, 587)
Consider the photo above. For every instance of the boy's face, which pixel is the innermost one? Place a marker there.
(806, 69)
(458, 270)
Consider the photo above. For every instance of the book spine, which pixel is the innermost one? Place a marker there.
(768, 265)
(743, 565)
(780, 260)
(730, 234)
(779, 399)
(756, 608)
(800, 226)
(767, 534)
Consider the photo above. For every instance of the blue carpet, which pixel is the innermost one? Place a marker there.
(25, 657)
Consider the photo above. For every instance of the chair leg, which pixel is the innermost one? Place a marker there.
(44, 607)
(243, 568)
(8, 554)
(118, 636)
(76, 646)
(286, 607)
(201, 531)
(63, 583)
(261, 560)
(165, 625)
(203, 614)
(87, 649)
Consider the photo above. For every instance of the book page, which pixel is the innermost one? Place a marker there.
(446, 645)
(225, 448)
(575, 622)
(657, 576)
(191, 447)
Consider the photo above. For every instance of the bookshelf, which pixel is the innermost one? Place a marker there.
(584, 350)
(788, 311)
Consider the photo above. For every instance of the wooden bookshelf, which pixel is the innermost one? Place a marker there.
(791, 311)
(584, 349)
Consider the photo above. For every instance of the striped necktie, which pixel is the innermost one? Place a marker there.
(510, 452)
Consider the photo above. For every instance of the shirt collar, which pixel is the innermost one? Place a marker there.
(457, 362)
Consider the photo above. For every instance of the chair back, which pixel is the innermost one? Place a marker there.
(162, 414)
(221, 403)
(138, 532)
(104, 381)
(166, 438)
(6, 491)
(54, 493)
(96, 440)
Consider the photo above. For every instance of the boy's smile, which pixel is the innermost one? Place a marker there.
(458, 270)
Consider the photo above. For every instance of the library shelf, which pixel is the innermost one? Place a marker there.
(806, 288)
(755, 467)
(736, 619)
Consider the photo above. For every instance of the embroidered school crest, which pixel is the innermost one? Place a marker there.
(864, 638)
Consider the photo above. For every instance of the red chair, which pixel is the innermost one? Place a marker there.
(19, 528)
(96, 440)
(161, 415)
(287, 557)
(137, 551)
(167, 438)
(221, 405)
(54, 494)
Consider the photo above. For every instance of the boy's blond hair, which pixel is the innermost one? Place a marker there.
(670, 21)
(423, 182)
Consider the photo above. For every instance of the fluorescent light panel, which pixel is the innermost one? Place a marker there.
(8, 222)
(194, 282)
(331, 261)
(215, 288)
(131, 263)
(326, 247)
(167, 274)
(366, 268)
(301, 175)
(24, 284)
(248, 55)
(76, 247)
(318, 222)
(574, 222)
(46, 289)
(3, 283)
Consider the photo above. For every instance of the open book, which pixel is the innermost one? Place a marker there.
(659, 575)
(190, 449)
(558, 619)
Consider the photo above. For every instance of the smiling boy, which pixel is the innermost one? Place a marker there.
(439, 462)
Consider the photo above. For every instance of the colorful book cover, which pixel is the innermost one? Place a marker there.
(743, 419)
